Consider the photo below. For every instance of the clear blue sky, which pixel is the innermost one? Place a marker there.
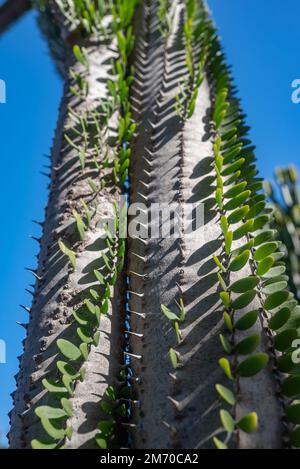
(261, 39)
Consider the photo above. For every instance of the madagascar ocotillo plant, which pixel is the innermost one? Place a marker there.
(285, 199)
(174, 326)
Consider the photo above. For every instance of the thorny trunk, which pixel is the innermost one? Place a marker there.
(11, 11)
(58, 290)
(172, 163)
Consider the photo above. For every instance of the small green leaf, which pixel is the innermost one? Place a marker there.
(243, 230)
(67, 369)
(244, 285)
(67, 406)
(84, 334)
(54, 388)
(52, 429)
(274, 287)
(225, 394)
(224, 295)
(228, 322)
(99, 277)
(79, 318)
(265, 250)
(219, 264)
(293, 413)
(224, 225)
(279, 319)
(235, 190)
(228, 242)
(221, 282)
(173, 358)
(238, 215)
(168, 313)
(248, 423)
(84, 350)
(260, 222)
(96, 338)
(68, 383)
(275, 271)
(283, 341)
(227, 421)
(80, 225)
(39, 444)
(68, 252)
(252, 365)
(49, 412)
(247, 321)
(276, 299)
(219, 199)
(291, 386)
(243, 300)
(233, 167)
(257, 209)
(68, 349)
(225, 344)
(225, 365)
(78, 54)
(237, 201)
(264, 266)
(101, 442)
(239, 262)
(248, 345)
(219, 444)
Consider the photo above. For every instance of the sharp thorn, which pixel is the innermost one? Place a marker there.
(40, 223)
(143, 196)
(150, 153)
(169, 427)
(28, 310)
(139, 257)
(45, 174)
(179, 288)
(135, 273)
(132, 355)
(139, 295)
(129, 425)
(29, 291)
(35, 238)
(142, 315)
(25, 326)
(175, 403)
(33, 273)
(140, 336)
(144, 241)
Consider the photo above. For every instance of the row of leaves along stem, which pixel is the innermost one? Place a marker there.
(88, 316)
(70, 368)
(84, 15)
(196, 54)
(122, 17)
(123, 12)
(176, 320)
(165, 17)
(240, 200)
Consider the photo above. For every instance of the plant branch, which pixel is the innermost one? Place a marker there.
(11, 11)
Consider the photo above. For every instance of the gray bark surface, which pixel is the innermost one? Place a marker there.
(58, 289)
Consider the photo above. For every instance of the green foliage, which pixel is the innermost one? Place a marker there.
(86, 15)
(68, 252)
